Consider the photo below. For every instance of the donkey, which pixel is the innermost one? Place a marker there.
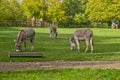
(53, 31)
(23, 36)
(81, 35)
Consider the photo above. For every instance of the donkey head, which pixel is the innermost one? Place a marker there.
(72, 43)
(18, 45)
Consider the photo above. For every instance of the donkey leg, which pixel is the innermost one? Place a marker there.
(91, 44)
(32, 42)
(50, 34)
(87, 45)
(25, 45)
(78, 48)
(55, 34)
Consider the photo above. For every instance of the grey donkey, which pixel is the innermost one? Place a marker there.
(23, 36)
(80, 35)
(53, 31)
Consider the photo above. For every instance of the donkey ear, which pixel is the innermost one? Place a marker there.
(15, 40)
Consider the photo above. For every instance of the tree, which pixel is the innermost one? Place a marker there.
(10, 10)
(55, 12)
(103, 10)
(80, 19)
(75, 9)
(34, 8)
(16, 9)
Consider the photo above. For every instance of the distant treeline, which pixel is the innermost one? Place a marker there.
(94, 13)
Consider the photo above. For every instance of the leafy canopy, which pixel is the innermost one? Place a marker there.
(103, 10)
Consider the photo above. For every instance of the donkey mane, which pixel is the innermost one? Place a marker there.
(20, 35)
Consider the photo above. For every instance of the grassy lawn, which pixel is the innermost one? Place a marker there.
(106, 45)
(63, 74)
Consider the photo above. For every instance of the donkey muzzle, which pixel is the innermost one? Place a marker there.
(17, 50)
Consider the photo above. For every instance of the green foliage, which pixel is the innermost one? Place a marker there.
(62, 12)
(34, 8)
(80, 19)
(55, 11)
(73, 10)
(10, 10)
(73, 7)
(103, 10)
(63, 74)
(59, 12)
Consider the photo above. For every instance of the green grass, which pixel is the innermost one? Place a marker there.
(63, 74)
(106, 45)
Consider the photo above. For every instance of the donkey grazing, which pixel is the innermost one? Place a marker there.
(80, 35)
(53, 31)
(23, 36)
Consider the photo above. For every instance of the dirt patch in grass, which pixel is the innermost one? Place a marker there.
(20, 66)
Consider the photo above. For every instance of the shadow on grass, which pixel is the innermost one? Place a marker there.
(106, 44)
(100, 43)
(105, 38)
